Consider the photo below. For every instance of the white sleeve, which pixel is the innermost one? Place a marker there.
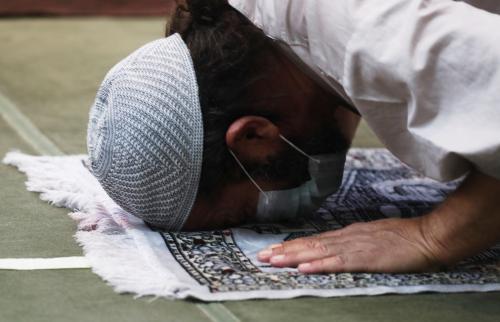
(426, 76)
(304, 26)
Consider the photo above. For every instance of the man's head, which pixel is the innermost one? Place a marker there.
(250, 93)
(168, 120)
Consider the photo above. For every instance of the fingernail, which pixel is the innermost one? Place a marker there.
(274, 246)
(264, 255)
(305, 268)
(277, 259)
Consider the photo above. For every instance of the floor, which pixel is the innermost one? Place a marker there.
(49, 72)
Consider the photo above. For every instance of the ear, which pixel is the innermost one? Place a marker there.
(253, 138)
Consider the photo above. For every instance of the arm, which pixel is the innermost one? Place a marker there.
(465, 224)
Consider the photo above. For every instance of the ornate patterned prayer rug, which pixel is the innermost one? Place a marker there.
(222, 265)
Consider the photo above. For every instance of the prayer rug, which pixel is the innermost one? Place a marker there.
(222, 265)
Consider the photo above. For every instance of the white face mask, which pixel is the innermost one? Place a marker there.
(325, 171)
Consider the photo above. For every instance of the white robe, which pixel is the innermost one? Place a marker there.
(424, 74)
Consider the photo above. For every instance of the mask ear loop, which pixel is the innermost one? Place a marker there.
(248, 174)
(299, 149)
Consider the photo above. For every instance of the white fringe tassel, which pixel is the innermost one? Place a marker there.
(113, 241)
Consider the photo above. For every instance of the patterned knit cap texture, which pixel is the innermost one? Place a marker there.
(145, 134)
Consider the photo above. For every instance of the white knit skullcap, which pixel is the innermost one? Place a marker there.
(145, 135)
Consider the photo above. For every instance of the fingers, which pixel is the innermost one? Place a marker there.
(314, 245)
(352, 262)
(288, 247)
(354, 231)
(266, 254)
(312, 249)
(294, 258)
(322, 251)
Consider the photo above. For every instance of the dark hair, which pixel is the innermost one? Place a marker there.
(225, 47)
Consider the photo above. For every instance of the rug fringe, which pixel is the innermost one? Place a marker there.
(110, 237)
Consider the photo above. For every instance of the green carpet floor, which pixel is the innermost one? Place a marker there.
(50, 70)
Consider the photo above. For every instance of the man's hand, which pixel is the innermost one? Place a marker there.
(390, 245)
(465, 224)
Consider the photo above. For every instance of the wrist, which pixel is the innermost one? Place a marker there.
(434, 240)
